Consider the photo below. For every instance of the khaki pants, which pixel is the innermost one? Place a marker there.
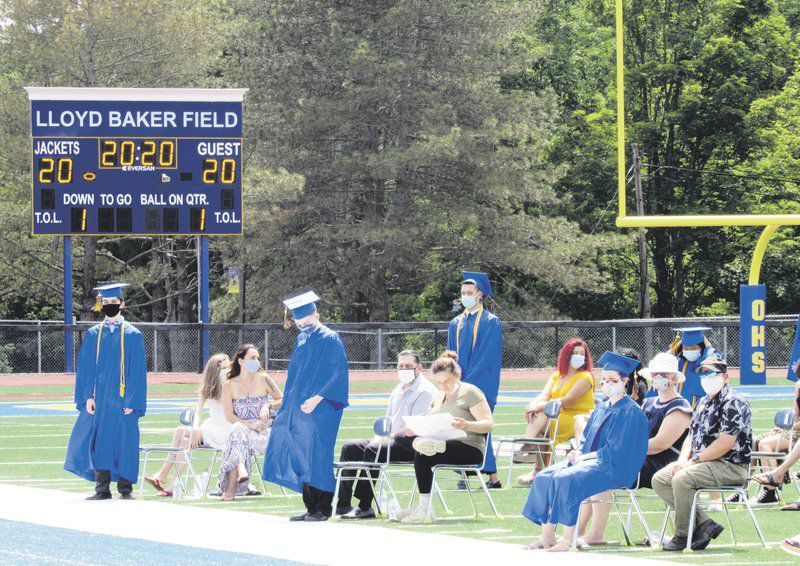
(678, 491)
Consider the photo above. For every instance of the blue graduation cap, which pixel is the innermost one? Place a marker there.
(480, 280)
(692, 335)
(302, 305)
(111, 290)
(617, 362)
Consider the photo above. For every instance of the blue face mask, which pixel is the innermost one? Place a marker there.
(468, 301)
(306, 330)
(252, 365)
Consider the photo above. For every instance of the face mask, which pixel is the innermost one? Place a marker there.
(691, 355)
(252, 365)
(454, 388)
(111, 310)
(712, 385)
(613, 389)
(468, 301)
(306, 330)
(661, 383)
(577, 361)
(406, 376)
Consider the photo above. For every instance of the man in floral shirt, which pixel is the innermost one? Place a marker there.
(716, 452)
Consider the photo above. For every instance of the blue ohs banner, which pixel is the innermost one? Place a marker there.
(753, 334)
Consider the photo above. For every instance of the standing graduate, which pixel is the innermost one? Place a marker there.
(613, 451)
(692, 349)
(300, 451)
(111, 396)
(476, 336)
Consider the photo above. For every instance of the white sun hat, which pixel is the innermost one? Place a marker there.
(664, 362)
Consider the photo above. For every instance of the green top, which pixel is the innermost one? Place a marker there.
(459, 405)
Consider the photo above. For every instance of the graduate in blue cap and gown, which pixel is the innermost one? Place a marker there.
(477, 337)
(613, 450)
(111, 396)
(300, 450)
(691, 349)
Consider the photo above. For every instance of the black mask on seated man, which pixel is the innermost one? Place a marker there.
(111, 310)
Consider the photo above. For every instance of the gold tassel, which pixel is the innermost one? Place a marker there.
(286, 322)
(98, 306)
(675, 347)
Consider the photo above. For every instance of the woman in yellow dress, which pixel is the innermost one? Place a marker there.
(573, 384)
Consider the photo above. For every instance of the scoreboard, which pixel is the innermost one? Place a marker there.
(136, 161)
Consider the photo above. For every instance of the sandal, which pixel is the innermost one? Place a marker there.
(792, 506)
(156, 483)
(767, 480)
(791, 545)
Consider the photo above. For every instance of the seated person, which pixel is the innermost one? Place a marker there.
(716, 452)
(471, 413)
(669, 416)
(637, 388)
(248, 397)
(573, 383)
(412, 397)
(776, 441)
(212, 432)
(612, 453)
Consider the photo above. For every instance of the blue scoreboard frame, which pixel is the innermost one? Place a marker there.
(136, 161)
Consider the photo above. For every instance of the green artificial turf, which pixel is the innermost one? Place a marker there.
(32, 451)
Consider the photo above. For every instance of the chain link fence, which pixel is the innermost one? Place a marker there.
(38, 346)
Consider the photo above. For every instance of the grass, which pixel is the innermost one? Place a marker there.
(32, 451)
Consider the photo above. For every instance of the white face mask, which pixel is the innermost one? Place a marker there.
(661, 383)
(252, 365)
(577, 361)
(712, 385)
(691, 355)
(612, 389)
(406, 376)
(468, 301)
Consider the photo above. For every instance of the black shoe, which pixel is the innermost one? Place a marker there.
(345, 510)
(359, 513)
(127, 496)
(299, 517)
(705, 533)
(252, 492)
(766, 497)
(735, 498)
(494, 485)
(99, 496)
(316, 517)
(674, 544)
(461, 485)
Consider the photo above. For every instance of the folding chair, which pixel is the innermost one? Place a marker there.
(186, 417)
(383, 429)
(618, 499)
(543, 445)
(464, 469)
(741, 490)
(784, 420)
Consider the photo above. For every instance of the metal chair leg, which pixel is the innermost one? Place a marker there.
(144, 473)
(489, 496)
(335, 502)
(447, 510)
(728, 515)
(755, 523)
(664, 526)
(692, 520)
(469, 491)
(430, 498)
(577, 522)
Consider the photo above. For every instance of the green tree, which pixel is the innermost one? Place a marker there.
(416, 160)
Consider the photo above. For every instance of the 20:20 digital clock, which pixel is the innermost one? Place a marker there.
(115, 153)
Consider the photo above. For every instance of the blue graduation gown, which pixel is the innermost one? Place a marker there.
(108, 439)
(619, 434)
(481, 364)
(300, 448)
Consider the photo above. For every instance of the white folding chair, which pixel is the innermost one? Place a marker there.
(741, 490)
(784, 420)
(623, 497)
(464, 470)
(185, 418)
(544, 445)
(382, 429)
